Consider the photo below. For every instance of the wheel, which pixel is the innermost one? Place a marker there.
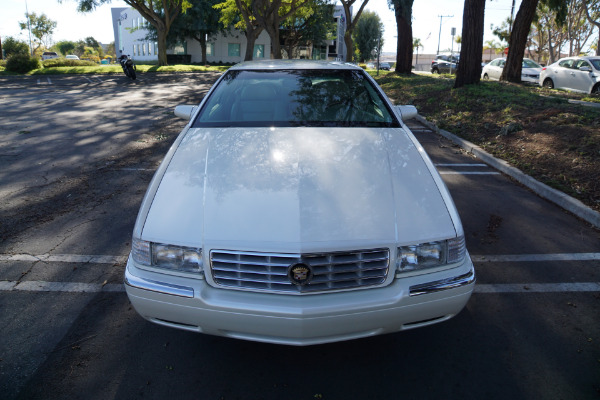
(548, 84)
(486, 77)
(435, 71)
(596, 89)
(130, 72)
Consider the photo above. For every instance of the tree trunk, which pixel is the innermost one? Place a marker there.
(202, 40)
(349, 43)
(251, 36)
(469, 67)
(273, 31)
(162, 46)
(518, 39)
(404, 44)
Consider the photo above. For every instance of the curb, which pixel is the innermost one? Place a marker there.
(555, 196)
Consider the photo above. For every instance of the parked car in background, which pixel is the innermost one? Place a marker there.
(384, 66)
(445, 64)
(47, 55)
(72, 57)
(578, 74)
(296, 207)
(530, 71)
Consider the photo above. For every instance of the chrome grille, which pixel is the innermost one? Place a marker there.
(269, 271)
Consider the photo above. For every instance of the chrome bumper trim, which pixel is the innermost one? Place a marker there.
(156, 286)
(445, 284)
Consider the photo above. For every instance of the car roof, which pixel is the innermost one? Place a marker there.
(294, 64)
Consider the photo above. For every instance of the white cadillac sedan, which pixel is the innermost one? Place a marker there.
(578, 74)
(297, 208)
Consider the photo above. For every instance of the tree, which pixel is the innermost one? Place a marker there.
(65, 47)
(368, 34)
(469, 67)
(239, 14)
(311, 24)
(270, 13)
(13, 46)
(404, 45)
(502, 31)
(200, 21)
(592, 13)
(41, 28)
(416, 44)
(520, 32)
(351, 22)
(159, 13)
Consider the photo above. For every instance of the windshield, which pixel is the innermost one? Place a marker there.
(530, 64)
(295, 98)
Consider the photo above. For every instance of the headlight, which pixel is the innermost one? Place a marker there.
(176, 258)
(430, 255)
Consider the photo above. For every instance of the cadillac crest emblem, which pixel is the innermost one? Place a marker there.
(300, 274)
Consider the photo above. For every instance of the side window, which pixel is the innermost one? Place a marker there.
(566, 64)
(582, 63)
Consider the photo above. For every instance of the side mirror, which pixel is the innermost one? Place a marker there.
(585, 69)
(185, 111)
(408, 112)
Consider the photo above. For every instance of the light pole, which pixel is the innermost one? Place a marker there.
(440, 35)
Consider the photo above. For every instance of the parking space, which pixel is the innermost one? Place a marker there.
(75, 165)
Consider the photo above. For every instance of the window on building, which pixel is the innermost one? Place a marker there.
(259, 51)
(134, 50)
(155, 48)
(143, 49)
(210, 49)
(149, 50)
(233, 49)
(138, 50)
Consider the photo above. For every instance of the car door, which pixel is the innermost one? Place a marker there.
(582, 80)
(562, 74)
(496, 70)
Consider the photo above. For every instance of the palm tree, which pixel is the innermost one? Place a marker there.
(416, 44)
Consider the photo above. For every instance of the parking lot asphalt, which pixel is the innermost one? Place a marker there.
(77, 154)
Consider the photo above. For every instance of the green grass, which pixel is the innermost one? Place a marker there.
(116, 69)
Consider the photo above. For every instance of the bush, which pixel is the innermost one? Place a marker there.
(63, 62)
(22, 63)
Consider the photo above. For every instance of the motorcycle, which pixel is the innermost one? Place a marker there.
(128, 67)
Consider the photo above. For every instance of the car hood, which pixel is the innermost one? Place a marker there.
(297, 190)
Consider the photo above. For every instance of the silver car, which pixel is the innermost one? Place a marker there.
(530, 70)
(578, 74)
(297, 208)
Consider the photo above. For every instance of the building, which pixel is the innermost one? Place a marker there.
(130, 30)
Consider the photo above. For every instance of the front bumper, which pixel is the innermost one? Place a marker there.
(193, 305)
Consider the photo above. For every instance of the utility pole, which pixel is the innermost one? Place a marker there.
(29, 28)
(440, 35)
(512, 13)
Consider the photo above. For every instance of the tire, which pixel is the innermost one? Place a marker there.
(435, 71)
(596, 89)
(486, 77)
(131, 72)
(548, 84)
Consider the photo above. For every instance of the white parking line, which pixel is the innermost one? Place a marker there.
(467, 173)
(67, 258)
(79, 287)
(461, 165)
(536, 257)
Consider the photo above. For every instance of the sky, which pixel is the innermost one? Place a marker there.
(74, 26)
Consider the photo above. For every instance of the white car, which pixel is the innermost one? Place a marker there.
(297, 208)
(530, 70)
(72, 57)
(578, 74)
